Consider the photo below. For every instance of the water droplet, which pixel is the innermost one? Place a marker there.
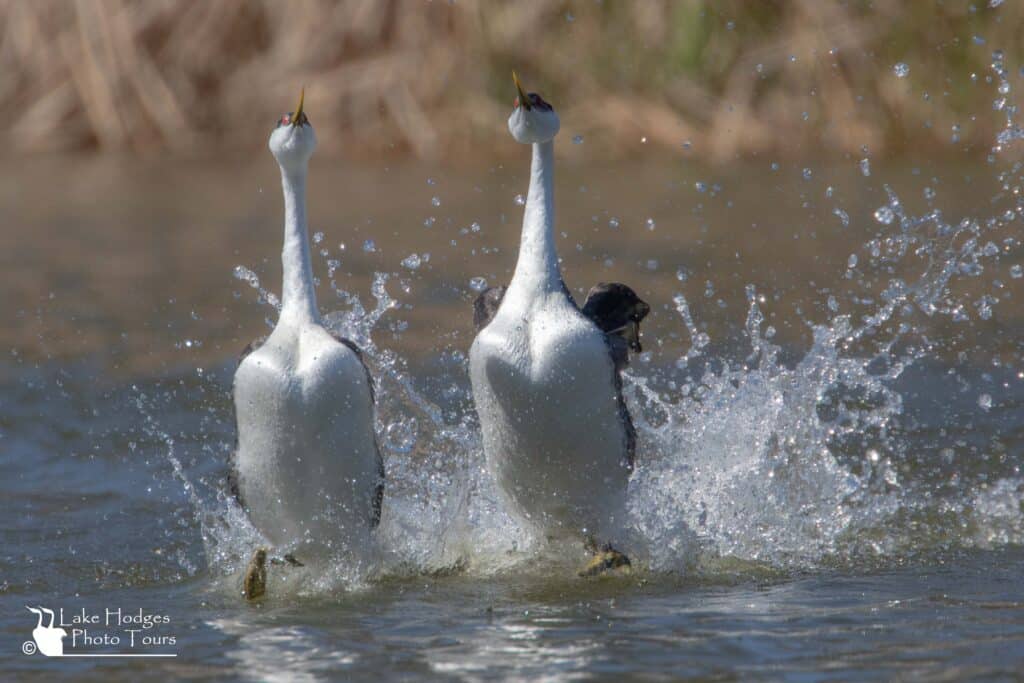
(318, 237)
(400, 435)
(844, 217)
(978, 40)
(412, 261)
(994, 3)
(429, 221)
(243, 273)
(730, 25)
(1016, 271)
(474, 226)
(650, 224)
(436, 201)
(984, 305)
(613, 222)
(477, 284)
(687, 144)
(884, 215)
(681, 275)
(369, 246)
(929, 193)
(865, 167)
(520, 199)
(985, 401)
(807, 173)
(701, 187)
(652, 264)
(774, 166)
(852, 261)
(431, 181)
(901, 70)
(577, 140)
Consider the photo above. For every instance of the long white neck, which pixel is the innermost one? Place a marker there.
(537, 271)
(298, 295)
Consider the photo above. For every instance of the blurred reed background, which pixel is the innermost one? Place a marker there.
(430, 80)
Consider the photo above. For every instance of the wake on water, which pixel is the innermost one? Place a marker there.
(748, 460)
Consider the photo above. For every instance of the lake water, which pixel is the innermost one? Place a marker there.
(830, 410)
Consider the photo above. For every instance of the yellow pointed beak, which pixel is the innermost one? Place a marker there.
(523, 99)
(298, 110)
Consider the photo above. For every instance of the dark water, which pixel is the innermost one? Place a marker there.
(820, 497)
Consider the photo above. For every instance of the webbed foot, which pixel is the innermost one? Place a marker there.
(607, 560)
(254, 585)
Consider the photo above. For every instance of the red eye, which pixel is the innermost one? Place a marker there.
(285, 120)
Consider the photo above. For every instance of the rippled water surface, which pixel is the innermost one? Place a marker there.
(829, 406)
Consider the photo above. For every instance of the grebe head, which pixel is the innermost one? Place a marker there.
(292, 141)
(533, 119)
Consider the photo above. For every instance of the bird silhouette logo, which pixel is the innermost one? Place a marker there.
(47, 639)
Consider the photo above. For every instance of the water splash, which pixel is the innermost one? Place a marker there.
(786, 464)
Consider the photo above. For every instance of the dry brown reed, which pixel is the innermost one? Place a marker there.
(431, 79)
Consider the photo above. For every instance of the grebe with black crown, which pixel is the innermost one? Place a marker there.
(307, 468)
(557, 435)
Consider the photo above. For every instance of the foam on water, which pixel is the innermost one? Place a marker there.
(750, 458)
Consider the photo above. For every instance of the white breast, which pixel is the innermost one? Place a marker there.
(307, 458)
(543, 386)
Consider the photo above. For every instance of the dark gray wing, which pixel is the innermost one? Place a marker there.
(378, 493)
(617, 311)
(233, 487)
(486, 306)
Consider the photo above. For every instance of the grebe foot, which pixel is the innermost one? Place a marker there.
(607, 560)
(254, 585)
